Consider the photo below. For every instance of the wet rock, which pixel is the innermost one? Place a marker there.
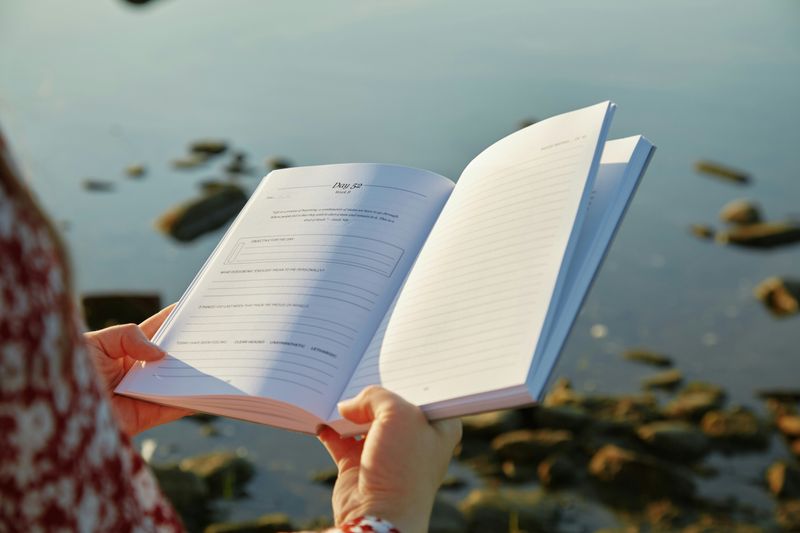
(735, 428)
(190, 161)
(224, 473)
(318, 523)
(518, 472)
(571, 417)
(188, 494)
(201, 418)
(789, 425)
(762, 235)
(794, 448)
(787, 515)
(740, 212)
(269, 523)
(325, 477)
(452, 483)
(635, 476)
(469, 448)
(192, 219)
(783, 480)
(647, 357)
(664, 515)
(208, 147)
(562, 393)
(702, 231)
(488, 425)
(104, 310)
(781, 297)
(495, 510)
(674, 439)
(135, 171)
(94, 185)
(781, 395)
(486, 466)
(622, 414)
(525, 122)
(695, 400)
(722, 171)
(446, 518)
(277, 163)
(238, 164)
(529, 446)
(556, 471)
(669, 380)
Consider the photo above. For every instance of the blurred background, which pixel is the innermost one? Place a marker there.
(89, 88)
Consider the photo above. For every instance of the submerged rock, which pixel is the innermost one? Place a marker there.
(674, 439)
(496, 510)
(529, 446)
(277, 163)
(557, 470)
(269, 523)
(702, 231)
(104, 310)
(94, 185)
(208, 147)
(224, 473)
(695, 400)
(669, 379)
(762, 235)
(194, 218)
(488, 425)
(781, 395)
(191, 161)
(781, 297)
(783, 480)
(647, 357)
(638, 476)
(135, 171)
(238, 165)
(722, 171)
(738, 427)
(740, 212)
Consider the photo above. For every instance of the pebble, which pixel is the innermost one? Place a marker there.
(135, 171)
(669, 380)
(277, 163)
(674, 439)
(208, 147)
(764, 235)
(189, 162)
(781, 297)
(702, 231)
(94, 185)
(722, 171)
(740, 212)
(737, 427)
(783, 480)
(647, 357)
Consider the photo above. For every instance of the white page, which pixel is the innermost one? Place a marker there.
(621, 166)
(469, 316)
(289, 300)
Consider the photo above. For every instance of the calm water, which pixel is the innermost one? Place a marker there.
(89, 88)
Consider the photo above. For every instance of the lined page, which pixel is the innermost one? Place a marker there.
(470, 313)
(286, 305)
(621, 167)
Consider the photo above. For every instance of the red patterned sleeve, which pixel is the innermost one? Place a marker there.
(64, 463)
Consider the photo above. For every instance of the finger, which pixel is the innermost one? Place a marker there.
(127, 340)
(151, 325)
(343, 451)
(373, 400)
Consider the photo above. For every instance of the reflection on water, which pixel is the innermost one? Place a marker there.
(88, 90)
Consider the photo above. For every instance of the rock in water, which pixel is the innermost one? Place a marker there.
(135, 171)
(188, 494)
(191, 161)
(493, 510)
(488, 425)
(737, 428)
(702, 231)
(788, 515)
(669, 380)
(529, 446)
(192, 219)
(269, 523)
(740, 212)
(695, 400)
(639, 476)
(721, 171)
(677, 440)
(789, 425)
(783, 480)
(94, 185)
(647, 357)
(781, 297)
(224, 473)
(556, 470)
(277, 163)
(780, 395)
(325, 477)
(103, 310)
(762, 235)
(208, 147)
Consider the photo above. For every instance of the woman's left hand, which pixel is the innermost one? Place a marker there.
(113, 351)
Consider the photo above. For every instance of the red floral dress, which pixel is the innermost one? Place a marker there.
(64, 463)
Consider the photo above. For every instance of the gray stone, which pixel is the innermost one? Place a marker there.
(674, 439)
(781, 297)
(764, 235)
(741, 212)
(208, 147)
(194, 218)
(648, 357)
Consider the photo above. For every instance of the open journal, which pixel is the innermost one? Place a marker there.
(457, 297)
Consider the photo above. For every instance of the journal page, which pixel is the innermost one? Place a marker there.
(285, 306)
(469, 316)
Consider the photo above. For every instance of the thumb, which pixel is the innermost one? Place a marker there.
(127, 340)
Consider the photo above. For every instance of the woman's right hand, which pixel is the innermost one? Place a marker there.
(394, 472)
